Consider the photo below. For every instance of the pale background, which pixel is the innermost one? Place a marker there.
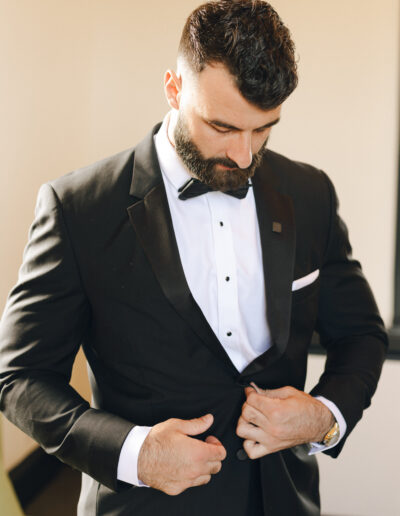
(82, 79)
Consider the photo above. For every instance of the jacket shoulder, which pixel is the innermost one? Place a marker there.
(96, 182)
(294, 176)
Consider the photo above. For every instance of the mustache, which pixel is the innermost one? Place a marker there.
(223, 161)
(231, 164)
(226, 162)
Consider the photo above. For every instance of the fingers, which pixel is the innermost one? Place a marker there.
(214, 452)
(253, 415)
(214, 467)
(247, 430)
(203, 479)
(200, 469)
(171, 460)
(217, 455)
(195, 426)
(259, 400)
(282, 393)
(263, 403)
(174, 489)
(210, 468)
(252, 423)
(255, 450)
(205, 470)
(211, 439)
(257, 388)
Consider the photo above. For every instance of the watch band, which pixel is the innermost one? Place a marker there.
(332, 436)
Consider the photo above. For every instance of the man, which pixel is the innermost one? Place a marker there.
(193, 270)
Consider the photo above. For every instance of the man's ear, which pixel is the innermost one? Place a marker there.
(172, 88)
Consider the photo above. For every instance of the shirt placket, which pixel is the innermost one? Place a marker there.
(226, 274)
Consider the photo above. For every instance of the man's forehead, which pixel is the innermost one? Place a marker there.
(216, 98)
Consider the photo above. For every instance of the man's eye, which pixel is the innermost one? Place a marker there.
(222, 131)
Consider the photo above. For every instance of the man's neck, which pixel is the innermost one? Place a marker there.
(171, 126)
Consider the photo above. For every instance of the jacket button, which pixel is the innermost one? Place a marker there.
(241, 454)
(242, 383)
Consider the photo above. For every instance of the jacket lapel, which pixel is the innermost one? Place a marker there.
(278, 241)
(151, 220)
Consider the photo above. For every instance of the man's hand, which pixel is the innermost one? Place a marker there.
(273, 420)
(171, 461)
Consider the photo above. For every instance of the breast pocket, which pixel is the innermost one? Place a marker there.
(306, 292)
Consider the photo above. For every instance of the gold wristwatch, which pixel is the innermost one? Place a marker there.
(332, 436)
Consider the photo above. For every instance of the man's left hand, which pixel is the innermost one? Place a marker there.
(276, 419)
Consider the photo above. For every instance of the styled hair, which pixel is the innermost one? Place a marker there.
(249, 38)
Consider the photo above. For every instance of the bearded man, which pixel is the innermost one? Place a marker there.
(194, 269)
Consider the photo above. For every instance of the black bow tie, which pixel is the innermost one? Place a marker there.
(194, 187)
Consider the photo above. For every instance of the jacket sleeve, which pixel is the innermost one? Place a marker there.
(350, 328)
(44, 322)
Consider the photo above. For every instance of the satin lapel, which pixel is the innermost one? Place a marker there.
(278, 241)
(151, 219)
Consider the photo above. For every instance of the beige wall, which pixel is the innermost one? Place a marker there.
(344, 118)
(44, 126)
(80, 80)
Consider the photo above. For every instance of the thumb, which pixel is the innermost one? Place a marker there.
(281, 393)
(197, 425)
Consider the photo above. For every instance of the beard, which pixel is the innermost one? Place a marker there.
(205, 169)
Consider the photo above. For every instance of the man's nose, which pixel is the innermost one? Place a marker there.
(240, 150)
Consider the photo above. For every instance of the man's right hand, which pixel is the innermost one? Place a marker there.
(171, 461)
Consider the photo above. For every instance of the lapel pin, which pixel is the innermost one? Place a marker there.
(277, 227)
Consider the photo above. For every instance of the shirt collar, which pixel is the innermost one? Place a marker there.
(170, 163)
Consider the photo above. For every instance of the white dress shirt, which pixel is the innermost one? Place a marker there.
(219, 246)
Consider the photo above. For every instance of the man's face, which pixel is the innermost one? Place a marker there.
(218, 134)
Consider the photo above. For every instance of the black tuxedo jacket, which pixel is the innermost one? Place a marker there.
(102, 270)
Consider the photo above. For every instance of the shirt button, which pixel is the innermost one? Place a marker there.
(221, 223)
(227, 278)
(229, 333)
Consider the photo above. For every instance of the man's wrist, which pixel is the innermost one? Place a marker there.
(128, 459)
(327, 420)
(336, 414)
(316, 447)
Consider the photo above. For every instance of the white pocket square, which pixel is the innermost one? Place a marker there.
(305, 280)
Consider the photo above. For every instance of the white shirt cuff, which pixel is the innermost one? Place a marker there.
(128, 458)
(318, 447)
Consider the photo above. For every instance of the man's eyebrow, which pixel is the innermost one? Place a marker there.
(218, 123)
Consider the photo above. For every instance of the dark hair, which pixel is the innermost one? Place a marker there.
(250, 39)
